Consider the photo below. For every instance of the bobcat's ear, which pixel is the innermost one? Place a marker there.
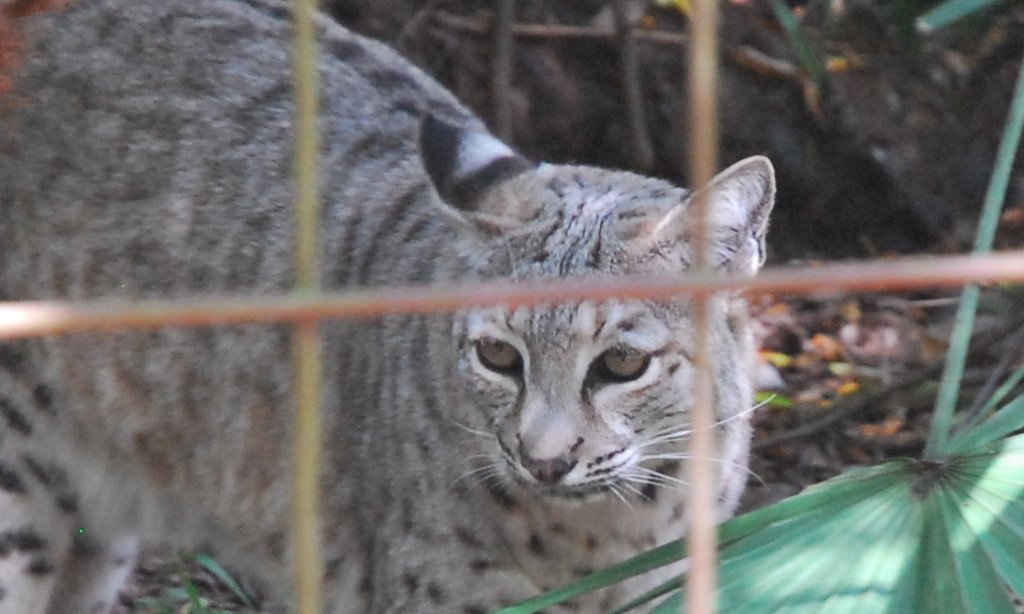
(739, 200)
(464, 164)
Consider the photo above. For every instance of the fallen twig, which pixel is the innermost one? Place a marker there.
(533, 30)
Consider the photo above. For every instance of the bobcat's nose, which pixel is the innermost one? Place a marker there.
(549, 470)
(549, 444)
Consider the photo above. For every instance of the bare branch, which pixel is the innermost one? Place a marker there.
(477, 26)
(641, 151)
(501, 80)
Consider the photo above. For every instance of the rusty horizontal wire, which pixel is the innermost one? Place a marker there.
(23, 319)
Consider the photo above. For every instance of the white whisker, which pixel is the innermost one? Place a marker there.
(676, 432)
(666, 456)
(641, 474)
(684, 456)
(473, 431)
(631, 478)
(478, 456)
(657, 475)
(742, 414)
(481, 474)
(614, 487)
(673, 433)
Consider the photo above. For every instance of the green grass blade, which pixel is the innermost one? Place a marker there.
(772, 399)
(1008, 419)
(652, 559)
(997, 397)
(1003, 390)
(672, 605)
(809, 59)
(659, 591)
(952, 375)
(225, 578)
(950, 11)
(194, 600)
(1008, 145)
(153, 604)
(942, 419)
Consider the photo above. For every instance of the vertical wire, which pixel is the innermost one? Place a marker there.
(306, 454)
(306, 147)
(703, 153)
(306, 497)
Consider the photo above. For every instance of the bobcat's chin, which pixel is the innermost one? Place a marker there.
(611, 490)
(520, 483)
(632, 481)
(573, 493)
(561, 495)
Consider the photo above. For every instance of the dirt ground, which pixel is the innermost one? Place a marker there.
(888, 154)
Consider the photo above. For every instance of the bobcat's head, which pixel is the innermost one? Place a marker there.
(584, 398)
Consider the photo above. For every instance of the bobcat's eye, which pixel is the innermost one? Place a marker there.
(618, 365)
(499, 356)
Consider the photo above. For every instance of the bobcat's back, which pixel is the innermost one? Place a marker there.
(470, 460)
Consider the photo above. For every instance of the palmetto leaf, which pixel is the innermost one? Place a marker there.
(1007, 420)
(907, 536)
(903, 537)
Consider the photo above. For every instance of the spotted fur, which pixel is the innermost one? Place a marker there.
(471, 460)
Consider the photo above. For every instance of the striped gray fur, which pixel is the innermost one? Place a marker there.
(471, 460)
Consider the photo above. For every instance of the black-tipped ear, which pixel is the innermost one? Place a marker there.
(464, 164)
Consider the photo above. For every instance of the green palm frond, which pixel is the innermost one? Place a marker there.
(903, 537)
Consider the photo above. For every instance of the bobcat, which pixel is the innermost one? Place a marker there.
(471, 460)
